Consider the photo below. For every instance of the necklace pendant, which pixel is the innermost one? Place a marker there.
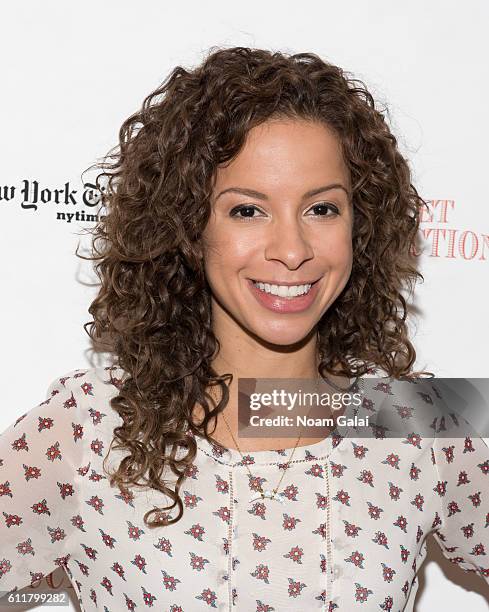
(267, 494)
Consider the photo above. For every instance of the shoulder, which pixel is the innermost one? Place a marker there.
(410, 406)
(85, 393)
(89, 382)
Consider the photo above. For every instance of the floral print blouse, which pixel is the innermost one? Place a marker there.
(348, 534)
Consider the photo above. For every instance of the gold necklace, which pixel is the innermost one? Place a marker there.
(269, 494)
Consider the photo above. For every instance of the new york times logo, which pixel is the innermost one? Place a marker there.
(32, 195)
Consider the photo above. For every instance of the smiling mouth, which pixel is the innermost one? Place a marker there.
(290, 291)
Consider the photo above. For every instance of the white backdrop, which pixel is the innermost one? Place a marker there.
(71, 73)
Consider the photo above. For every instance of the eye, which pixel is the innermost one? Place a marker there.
(246, 208)
(324, 207)
(247, 211)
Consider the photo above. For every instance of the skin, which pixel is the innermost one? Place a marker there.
(286, 237)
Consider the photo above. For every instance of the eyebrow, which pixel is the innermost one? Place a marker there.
(252, 193)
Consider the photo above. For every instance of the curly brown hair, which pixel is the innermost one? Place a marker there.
(153, 312)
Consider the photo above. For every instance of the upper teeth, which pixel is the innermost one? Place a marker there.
(283, 290)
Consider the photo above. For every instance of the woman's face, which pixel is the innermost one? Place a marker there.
(281, 214)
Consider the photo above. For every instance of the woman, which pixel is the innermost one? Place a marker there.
(259, 224)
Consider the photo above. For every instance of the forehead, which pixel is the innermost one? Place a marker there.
(285, 153)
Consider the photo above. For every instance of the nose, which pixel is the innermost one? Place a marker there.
(287, 241)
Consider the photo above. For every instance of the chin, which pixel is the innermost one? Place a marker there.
(282, 335)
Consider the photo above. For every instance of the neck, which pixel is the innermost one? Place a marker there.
(245, 356)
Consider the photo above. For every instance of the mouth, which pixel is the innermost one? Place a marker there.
(284, 290)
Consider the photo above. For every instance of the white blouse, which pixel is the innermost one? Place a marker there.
(348, 535)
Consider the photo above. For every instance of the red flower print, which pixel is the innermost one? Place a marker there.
(221, 485)
(196, 531)
(342, 497)
(321, 501)
(140, 563)
(77, 431)
(387, 572)
(448, 450)
(12, 519)
(65, 490)
(223, 513)
(414, 439)
(361, 593)
(164, 545)
(208, 596)
(20, 443)
(53, 453)
(414, 472)
(484, 466)
(359, 451)
(87, 388)
(261, 572)
(322, 531)
(44, 423)
(475, 499)
(57, 534)
(118, 569)
(441, 488)
(259, 542)
(463, 478)
(453, 508)
(394, 491)
(356, 558)
(290, 522)
(295, 587)
(380, 538)
(96, 503)
(387, 604)
(148, 597)
(374, 511)
(90, 552)
(25, 548)
(130, 605)
(291, 491)
(337, 469)
(478, 550)
(418, 501)
(295, 554)
(401, 522)
(404, 412)
(97, 446)
(315, 470)
(392, 460)
(190, 500)
(134, 532)
(366, 477)
(5, 489)
(169, 582)
(351, 530)
(419, 533)
(197, 562)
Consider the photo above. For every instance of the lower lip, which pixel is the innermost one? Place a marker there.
(281, 304)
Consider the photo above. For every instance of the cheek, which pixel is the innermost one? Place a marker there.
(234, 249)
(336, 250)
(227, 255)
